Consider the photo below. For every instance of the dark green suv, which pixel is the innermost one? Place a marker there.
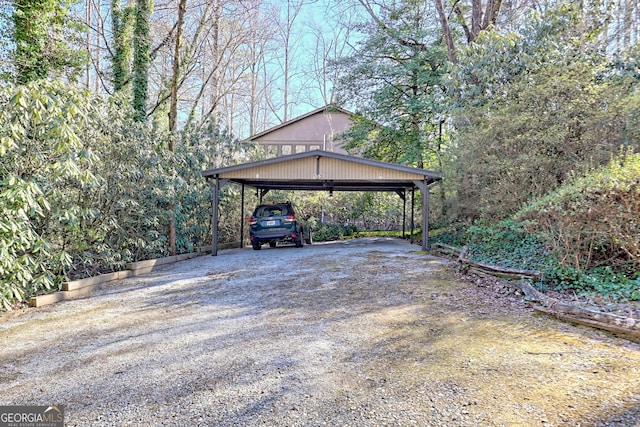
(274, 223)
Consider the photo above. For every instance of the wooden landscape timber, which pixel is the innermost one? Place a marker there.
(540, 302)
(147, 266)
(84, 287)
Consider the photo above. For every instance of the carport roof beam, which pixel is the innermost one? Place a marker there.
(313, 170)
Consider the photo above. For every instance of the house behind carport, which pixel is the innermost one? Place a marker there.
(319, 129)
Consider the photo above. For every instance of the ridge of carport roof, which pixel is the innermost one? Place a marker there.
(320, 170)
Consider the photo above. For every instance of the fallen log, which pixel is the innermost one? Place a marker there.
(504, 274)
(588, 322)
(446, 250)
(574, 311)
(509, 273)
(539, 301)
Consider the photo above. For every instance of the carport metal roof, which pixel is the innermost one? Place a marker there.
(320, 170)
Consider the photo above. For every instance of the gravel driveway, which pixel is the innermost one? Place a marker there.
(367, 332)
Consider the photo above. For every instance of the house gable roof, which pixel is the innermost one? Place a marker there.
(327, 108)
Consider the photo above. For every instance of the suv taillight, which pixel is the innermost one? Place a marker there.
(290, 218)
(252, 221)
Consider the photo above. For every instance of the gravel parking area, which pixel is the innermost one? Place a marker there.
(367, 332)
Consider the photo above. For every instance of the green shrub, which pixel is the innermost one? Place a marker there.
(328, 232)
(85, 190)
(593, 221)
(583, 237)
(40, 153)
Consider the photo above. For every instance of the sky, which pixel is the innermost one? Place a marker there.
(315, 16)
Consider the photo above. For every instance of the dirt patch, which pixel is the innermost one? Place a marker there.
(359, 333)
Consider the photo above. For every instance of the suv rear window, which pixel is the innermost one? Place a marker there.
(275, 210)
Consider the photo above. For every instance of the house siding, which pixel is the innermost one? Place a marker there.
(319, 131)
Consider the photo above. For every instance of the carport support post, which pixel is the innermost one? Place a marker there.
(242, 217)
(425, 217)
(424, 189)
(413, 213)
(404, 212)
(215, 200)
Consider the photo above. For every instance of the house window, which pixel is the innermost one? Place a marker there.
(300, 148)
(286, 149)
(314, 147)
(271, 150)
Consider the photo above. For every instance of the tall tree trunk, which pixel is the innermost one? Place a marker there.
(254, 44)
(630, 8)
(285, 91)
(173, 114)
(446, 31)
(141, 55)
(480, 20)
(293, 10)
(491, 13)
(122, 24)
(476, 18)
(215, 58)
(88, 21)
(98, 47)
(443, 194)
(30, 21)
(173, 107)
(42, 41)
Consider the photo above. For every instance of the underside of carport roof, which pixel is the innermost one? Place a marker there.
(322, 171)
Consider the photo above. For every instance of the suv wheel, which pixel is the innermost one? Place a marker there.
(256, 245)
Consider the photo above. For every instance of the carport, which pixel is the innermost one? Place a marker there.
(320, 170)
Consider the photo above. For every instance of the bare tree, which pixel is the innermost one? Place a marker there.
(625, 28)
(331, 42)
(175, 75)
(173, 112)
(289, 45)
(261, 33)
